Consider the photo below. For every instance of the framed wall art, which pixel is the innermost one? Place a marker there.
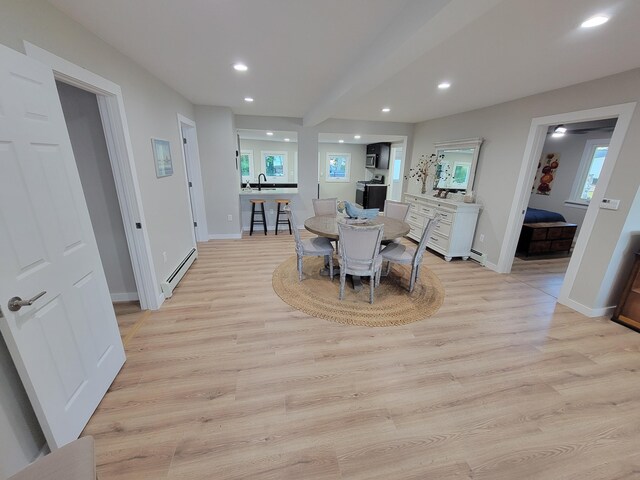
(162, 157)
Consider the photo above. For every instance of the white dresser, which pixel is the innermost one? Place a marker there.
(453, 236)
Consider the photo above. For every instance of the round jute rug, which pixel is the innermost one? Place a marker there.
(393, 305)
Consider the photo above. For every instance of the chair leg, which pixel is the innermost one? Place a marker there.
(372, 284)
(412, 282)
(378, 276)
(277, 219)
(253, 215)
(331, 267)
(299, 268)
(388, 267)
(264, 219)
(289, 222)
(343, 278)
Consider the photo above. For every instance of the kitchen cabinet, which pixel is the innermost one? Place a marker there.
(454, 234)
(382, 151)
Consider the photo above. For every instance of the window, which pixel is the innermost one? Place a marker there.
(246, 165)
(274, 166)
(595, 153)
(338, 167)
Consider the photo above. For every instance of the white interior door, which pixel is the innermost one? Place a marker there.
(66, 345)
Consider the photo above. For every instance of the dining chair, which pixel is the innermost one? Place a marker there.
(404, 255)
(360, 254)
(325, 206)
(397, 210)
(310, 247)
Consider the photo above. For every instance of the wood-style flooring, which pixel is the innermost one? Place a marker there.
(226, 381)
(545, 274)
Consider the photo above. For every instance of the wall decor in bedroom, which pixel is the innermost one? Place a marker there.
(546, 173)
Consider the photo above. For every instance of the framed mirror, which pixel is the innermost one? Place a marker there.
(456, 166)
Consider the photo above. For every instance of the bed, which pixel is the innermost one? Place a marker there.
(535, 215)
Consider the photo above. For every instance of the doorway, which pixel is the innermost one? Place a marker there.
(568, 171)
(533, 150)
(396, 169)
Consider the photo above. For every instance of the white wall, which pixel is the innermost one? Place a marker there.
(151, 109)
(217, 143)
(341, 190)
(505, 128)
(82, 116)
(570, 149)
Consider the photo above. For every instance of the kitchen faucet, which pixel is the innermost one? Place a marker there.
(259, 184)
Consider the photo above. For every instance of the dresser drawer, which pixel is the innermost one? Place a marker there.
(415, 218)
(445, 215)
(428, 211)
(415, 232)
(438, 241)
(443, 228)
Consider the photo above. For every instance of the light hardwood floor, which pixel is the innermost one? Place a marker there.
(226, 381)
(545, 274)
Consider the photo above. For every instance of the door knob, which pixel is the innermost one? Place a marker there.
(16, 303)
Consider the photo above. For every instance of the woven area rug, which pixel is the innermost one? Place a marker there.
(393, 305)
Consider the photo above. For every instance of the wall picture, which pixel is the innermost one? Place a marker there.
(546, 173)
(162, 157)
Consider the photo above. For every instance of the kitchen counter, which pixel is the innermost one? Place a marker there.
(268, 191)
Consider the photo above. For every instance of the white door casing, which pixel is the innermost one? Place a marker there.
(66, 346)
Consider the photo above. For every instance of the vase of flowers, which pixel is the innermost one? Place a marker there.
(425, 168)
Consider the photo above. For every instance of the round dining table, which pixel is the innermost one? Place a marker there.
(327, 226)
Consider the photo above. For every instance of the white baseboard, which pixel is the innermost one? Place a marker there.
(492, 266)
(124, 297)
(161, 299)
(587, 311)
(225, 236)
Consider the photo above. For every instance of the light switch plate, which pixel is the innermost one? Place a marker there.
(610, 203)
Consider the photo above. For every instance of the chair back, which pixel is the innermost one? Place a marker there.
(294, 226)
(359, 245)
(325, 206)
(397, 210)
(428, 230)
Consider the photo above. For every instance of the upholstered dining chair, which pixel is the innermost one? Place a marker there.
(360, 254)
(325, 206)
(310, 247)
(397, 210)
(404, 255)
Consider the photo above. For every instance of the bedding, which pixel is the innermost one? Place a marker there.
(535, 215)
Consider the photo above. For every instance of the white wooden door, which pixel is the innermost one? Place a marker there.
(66, 346)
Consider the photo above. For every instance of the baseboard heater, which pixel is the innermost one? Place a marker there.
(173, 280)
(481, 258)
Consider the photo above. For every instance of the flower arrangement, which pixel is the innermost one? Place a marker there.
(428, 166)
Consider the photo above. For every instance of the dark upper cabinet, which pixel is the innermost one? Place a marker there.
(382, 151)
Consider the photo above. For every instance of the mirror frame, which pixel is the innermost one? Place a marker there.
(474, 143)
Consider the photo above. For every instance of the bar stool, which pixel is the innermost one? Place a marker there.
(263, 222)
(285, 219)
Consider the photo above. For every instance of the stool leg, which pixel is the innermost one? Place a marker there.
(277, 219)
(253, 213)
(289, 222)
(264, 219)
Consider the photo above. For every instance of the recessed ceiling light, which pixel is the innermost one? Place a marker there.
(340, 141)
(357, 137)
(386, 110)
(594, 21)
(248, 99)
(270, 134)
(444, 85)
(557, 134)
(287, 139)
(240, 67)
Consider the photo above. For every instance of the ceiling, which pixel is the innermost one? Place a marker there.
(262, 135)
(363, 140)
(320, 59)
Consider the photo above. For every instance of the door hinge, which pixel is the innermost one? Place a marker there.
(195, 224)
(190, 184)
(138, 225)
(184, 140)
